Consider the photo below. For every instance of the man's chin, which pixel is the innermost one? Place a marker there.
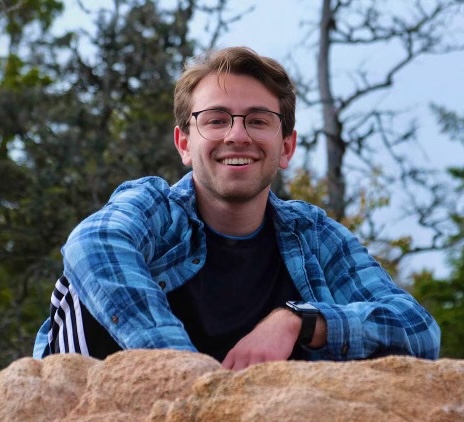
(242, 195)
(234, 191)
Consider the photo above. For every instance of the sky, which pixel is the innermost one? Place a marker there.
(275, 29)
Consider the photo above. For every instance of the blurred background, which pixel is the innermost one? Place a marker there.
(86, 103)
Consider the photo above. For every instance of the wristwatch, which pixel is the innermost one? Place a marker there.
(308, 314)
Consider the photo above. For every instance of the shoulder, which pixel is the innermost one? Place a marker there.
(143, 193)
(310, 220)
(153, 199)
(288, 211)
(156, 187)
(147, 186)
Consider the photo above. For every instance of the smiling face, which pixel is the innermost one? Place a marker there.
(235, 168)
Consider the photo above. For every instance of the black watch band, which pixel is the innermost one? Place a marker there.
(308, 314)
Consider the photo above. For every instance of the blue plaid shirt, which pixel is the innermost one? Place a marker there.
(149, 240)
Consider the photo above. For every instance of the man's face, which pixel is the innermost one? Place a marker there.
(215, 171)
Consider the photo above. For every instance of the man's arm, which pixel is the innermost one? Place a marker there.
(370, 315)
(367, 314)
(106, 260)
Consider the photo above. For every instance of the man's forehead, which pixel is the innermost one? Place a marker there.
(217, 87)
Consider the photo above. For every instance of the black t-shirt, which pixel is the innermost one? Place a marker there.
(243, 280)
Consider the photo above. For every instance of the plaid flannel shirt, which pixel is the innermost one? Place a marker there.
(149, 240)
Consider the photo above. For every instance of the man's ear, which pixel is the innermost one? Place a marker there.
(288, 149)
(182, 144)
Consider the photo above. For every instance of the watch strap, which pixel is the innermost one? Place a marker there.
(308, 326)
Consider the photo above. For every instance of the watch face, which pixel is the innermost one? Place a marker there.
(301, 306)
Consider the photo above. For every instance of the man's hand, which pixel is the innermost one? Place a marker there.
(272, 339)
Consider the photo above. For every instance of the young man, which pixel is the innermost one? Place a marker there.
(217, 263)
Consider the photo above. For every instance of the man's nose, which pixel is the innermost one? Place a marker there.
(237, 132)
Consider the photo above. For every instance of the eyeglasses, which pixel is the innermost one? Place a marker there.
(261, 125)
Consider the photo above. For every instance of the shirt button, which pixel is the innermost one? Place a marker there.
(196, 261)
(345, 349)
(162, 284)
(114, 319)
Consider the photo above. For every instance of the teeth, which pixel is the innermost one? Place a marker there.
(237, 161)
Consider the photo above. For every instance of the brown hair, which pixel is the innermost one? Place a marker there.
(240, 61)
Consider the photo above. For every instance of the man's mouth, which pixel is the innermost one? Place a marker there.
(237, 161)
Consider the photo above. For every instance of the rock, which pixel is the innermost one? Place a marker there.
(35, 391)
(130, 382)
(172, 386)
(389, 389)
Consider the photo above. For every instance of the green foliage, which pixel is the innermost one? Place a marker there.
(450, 122)
(444, 299)
(16, 78)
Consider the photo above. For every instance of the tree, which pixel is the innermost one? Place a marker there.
(359, 135)
(24, 255)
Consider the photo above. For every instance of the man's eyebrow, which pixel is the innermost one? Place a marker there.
(260, 108)
(247, 110)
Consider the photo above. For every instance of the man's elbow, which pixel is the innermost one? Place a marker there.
(428, 344)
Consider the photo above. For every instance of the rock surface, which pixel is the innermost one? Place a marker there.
(174, 386)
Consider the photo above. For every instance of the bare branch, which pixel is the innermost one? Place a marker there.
(387, 82)
(221, 22)
(370, 28)
(83, 8)
(416, 38)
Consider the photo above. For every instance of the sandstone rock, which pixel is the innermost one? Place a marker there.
(172, 386)
(388, 389)
(130, 382)
(36, 391)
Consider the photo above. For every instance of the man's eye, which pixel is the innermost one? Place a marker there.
(258, 122)
(214, 122)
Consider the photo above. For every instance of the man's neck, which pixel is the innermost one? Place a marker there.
(233, 218)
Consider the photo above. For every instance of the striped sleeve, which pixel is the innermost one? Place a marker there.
(66, 334)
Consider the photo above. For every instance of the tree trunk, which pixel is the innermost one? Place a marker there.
(335, 145)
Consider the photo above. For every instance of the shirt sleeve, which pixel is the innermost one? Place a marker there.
(371, 316)
(106, 260)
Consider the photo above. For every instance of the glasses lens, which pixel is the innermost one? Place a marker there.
(262, 125)
(214, 124)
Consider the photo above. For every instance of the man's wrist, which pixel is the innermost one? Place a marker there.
(294, 321)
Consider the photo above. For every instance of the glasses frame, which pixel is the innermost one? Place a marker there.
(233, 116)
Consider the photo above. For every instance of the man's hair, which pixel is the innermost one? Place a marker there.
(238, 61)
